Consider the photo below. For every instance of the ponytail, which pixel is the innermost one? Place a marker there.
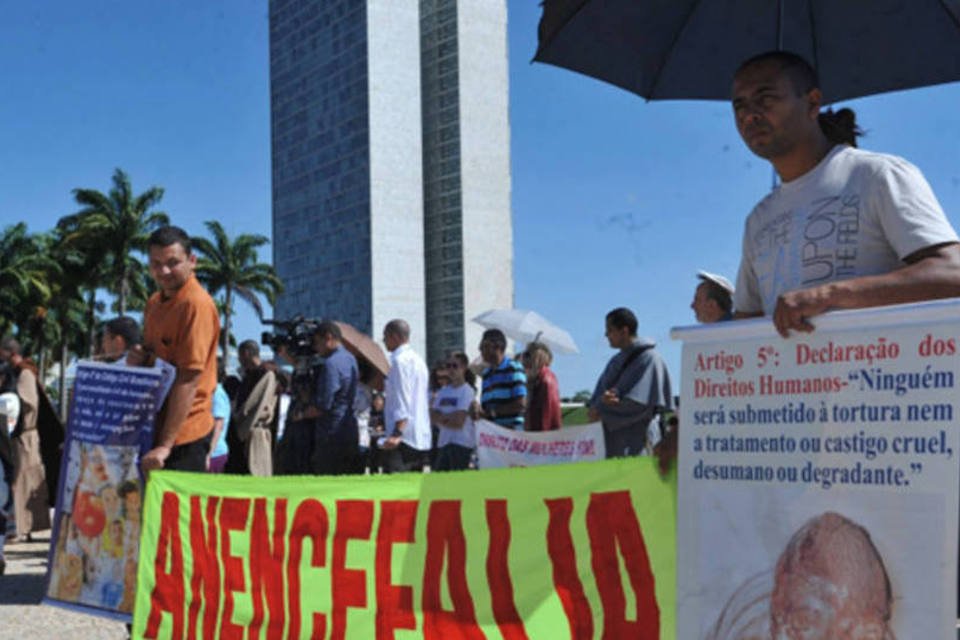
(840, 127)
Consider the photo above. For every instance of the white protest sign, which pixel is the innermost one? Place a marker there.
(500, 447)
(818, 478)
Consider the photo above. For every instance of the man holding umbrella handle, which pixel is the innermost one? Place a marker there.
(846, 228)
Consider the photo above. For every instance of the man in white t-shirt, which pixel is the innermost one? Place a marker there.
(846, 228)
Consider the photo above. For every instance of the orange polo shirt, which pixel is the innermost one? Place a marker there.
(184, 330)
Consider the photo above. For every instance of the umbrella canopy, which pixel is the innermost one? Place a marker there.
(363, 346)
(528, 326)
(690, 49)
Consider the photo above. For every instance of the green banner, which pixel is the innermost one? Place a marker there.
(569, 551)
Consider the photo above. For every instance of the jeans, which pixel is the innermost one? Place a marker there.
(453, 457)
(405, 458)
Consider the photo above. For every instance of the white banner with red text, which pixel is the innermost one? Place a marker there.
(500, 447)
(818, 478)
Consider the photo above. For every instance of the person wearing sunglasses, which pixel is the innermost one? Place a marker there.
(450, 411)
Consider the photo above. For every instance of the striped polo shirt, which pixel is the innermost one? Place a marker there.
(501, 386)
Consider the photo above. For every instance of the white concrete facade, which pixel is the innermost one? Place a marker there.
(355, 236)
(396, 181)
(485, 161)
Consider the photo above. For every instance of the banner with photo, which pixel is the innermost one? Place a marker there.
(575, 551)
(95, 540)
(818, 477)
(501, 447)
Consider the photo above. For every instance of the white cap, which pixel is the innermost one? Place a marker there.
(716, 279)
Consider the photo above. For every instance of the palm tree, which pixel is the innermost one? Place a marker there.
(69, 309)
(231, 266)
(115, 225)
(25, 273)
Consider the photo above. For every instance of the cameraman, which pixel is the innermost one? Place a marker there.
(335, 448)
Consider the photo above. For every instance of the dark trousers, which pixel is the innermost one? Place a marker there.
(335, 456)
(295, 449)
(189, 456)
(625, 442)
(452, 457)
(404, 458)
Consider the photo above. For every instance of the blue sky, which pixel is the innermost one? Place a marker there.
(615, 201)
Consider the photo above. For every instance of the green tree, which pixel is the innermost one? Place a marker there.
(68, 313)
(25, 272)
(231, 266)
(582, 396)
(115, 226)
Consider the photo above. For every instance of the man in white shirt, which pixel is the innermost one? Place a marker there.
(406, 413)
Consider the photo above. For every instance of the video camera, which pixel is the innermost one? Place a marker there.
(295, 336)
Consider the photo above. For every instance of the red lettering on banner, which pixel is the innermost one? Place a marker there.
(498, 572)
(398, 520)
(266, 568)
(168, 589)
(233, 517)
(309, 521)
(566, 580)
(349, 586)
(612, 523)
(205, 582)
(445, 538)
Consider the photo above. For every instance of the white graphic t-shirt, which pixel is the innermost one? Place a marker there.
(856, 213)
(450, 400)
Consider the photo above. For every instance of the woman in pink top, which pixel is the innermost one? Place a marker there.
(543, 392)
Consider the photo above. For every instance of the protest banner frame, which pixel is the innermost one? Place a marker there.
(96, 526)
(453, 546)
(850, 399)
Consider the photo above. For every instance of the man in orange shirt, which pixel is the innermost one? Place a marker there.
(181, 326)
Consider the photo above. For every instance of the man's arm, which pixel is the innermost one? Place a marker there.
(217, 428)
(929, 274)
(453, 420)
(178, 406)
(516, 406)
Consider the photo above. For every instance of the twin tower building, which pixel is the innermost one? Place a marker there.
(391, 164)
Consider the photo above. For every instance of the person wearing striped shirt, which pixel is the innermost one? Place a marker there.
(503, 397)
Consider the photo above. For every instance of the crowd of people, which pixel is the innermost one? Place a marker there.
(883, 239)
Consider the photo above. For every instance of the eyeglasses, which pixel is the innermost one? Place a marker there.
(451, 365)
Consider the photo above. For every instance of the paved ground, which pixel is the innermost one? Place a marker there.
(21, 589)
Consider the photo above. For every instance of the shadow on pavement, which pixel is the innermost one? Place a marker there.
(21, 588)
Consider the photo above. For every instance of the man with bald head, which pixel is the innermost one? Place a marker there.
(406, 412)
(830, 582)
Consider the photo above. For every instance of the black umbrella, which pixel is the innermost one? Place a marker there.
(690, 49)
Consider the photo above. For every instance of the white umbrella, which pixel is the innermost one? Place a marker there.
(526, 327)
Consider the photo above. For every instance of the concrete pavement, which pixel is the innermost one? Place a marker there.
(21, 590)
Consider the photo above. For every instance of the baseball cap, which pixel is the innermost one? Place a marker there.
(716, 279)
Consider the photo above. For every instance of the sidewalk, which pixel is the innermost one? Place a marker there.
(21, 589)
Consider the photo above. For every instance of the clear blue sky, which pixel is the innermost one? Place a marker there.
(615, 201)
